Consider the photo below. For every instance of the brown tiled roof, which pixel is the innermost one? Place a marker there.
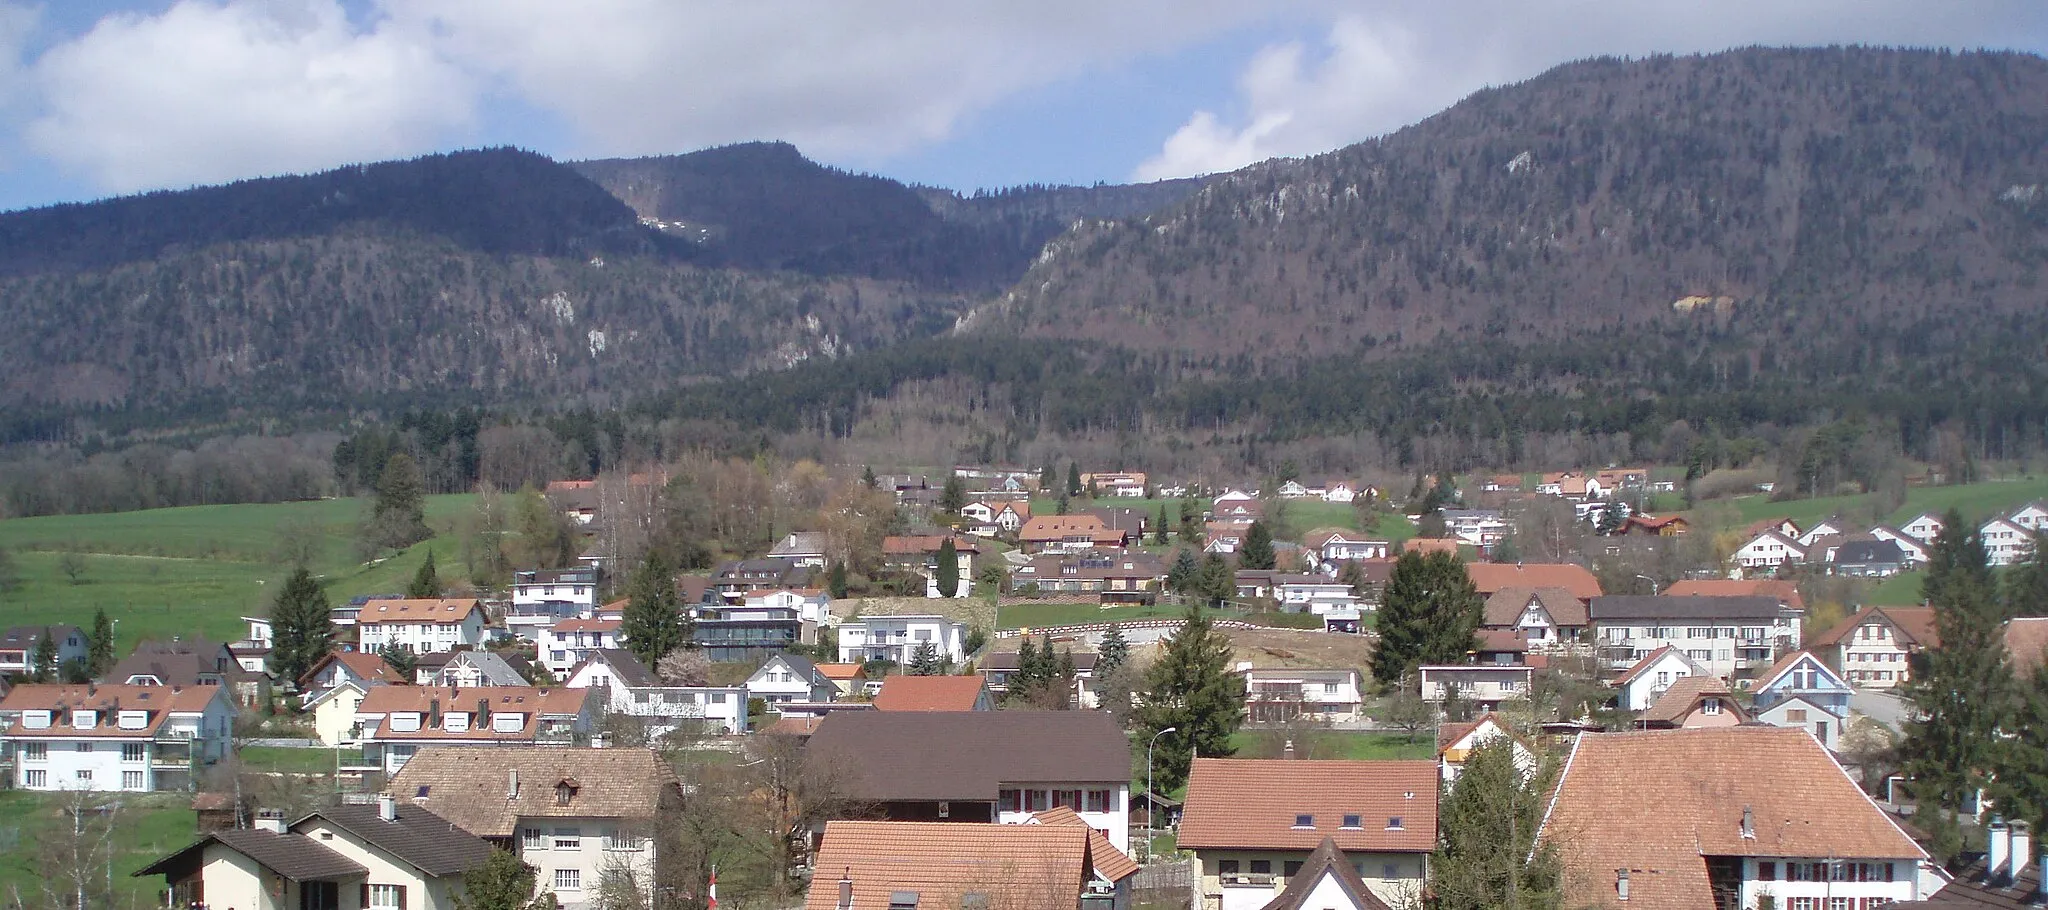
(1057, 527)
(1500, 640)
(1020, 867)
(1103, 856)
(436, 611)
(1685, 695)
(160, 701)
(527, 700)
(792, 726)
(1915, 626)
(1326, 859)
(929, 693)
(472, 785)
(1643, 666)
(294, 856)
(968, 755)
(1253, 804)
(1504, 608)
(1490, 577)
(1660, 802)
(1767, 524)
(2026, 639)
(1753, 587)
(839, 671)
(365, 665)
(182, 662)
(587, 625)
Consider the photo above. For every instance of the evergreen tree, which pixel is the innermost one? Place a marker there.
(1061, 507)
(426, 583)
(42, 662)
(1185, 571)
(1159, 528)
(1612, 517)
(1073, 478)
(301, 629)
(1046, 478)
(1486, 844)
(1963, 688)
(1190, 688)
(2026, 584)
(947, 573)
(954, 496)
(1257, 550)
(1113, 651)
(1428, 615)
(1190, 520)
(1025, 678)
(1218, 583)
(867, 477)
(835, 581)
(653, 623)
(2021, 779)
(99, 644)
(399, 658)
(925, 661)
(398, 515)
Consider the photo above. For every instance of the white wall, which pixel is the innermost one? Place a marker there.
(590, 857)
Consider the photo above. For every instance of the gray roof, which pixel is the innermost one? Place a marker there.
(797, 663)
(178, 663)
(294, 856)
(495, 669)
(801, 543)
(626, 667)
(428, 842)
(1863, 552)
(1611, 607)
(25, 636)
(893, 756)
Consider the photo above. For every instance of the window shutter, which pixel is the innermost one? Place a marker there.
(365, 894)
(401, 897)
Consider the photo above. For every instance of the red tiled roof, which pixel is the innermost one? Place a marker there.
(1431, 545)
(1785, 591)
(1111, 863)
(588, 625)
(1643, 666)
(1253, 804)
(929, 693)
(1491, 577)
(923, 544)
(109, 701)
(1505, 607)
(839, 671)
(365, 665)
(1021, 867)
(1500, 640)
(1684, 696)
(431, 610)
(527, 700)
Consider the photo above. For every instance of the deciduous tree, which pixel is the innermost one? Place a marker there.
(501, 882)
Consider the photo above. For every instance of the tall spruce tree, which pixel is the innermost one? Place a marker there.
(947, 572)
(2026, 584)
(99, 644)
(925, 661)
(1113, 652)
(42, 662)
(953, 497)
(1963, 688)
(398, 517)
(1185, 572)
(1073, 478)
(1190, 688)
(1486, 844)
(653, 623)
(1159, 528)
(2021, 759)
(1428, 614)
(426, 583)
(301, 627)
(1218, 583)
(1257, 549)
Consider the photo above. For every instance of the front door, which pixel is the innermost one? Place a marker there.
(319, 896)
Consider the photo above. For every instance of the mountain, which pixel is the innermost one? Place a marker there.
(1768, 193)
(495, 277)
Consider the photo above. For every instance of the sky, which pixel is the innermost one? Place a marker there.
(105, 97)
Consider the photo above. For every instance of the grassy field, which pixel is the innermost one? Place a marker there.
(195, 570)
(1902, 590)
(151, 826)
(1336, 744)
(289, 761)
(1304, 514)
(1977, 501)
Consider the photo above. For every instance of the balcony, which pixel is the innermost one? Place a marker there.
(171, 754)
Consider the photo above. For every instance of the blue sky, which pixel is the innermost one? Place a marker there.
(99, 97)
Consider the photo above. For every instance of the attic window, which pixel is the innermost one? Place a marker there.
(1352, 821)
(1394, 823)
(565, 792)
(1304, 821)
(423, 792)
(902, 900)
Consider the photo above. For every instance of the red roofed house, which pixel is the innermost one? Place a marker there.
(1253, 824)
(1641, 685)
(1694, 701)
(1709, 818)
(398, 721)
(1787, 592)
(911, 865)
(114, 738)
(1491, 577)
(2026, 643)
(1652, 526)
(1455, 742)
(1070, 534)
(571, 641)
(428, 625)
(921, 554)
(934, 693)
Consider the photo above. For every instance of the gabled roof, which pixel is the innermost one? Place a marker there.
(527, 700)
(294, 856)
(1254, 804)
(1018, 867)
(364, 665)
(439, 611)
(1781, 589)
(592, 624)
(1504, 608)
(1685, 696)
(897, 755)
(160, 702)
(1326, 861)
(1667, 800)
(416, 837)
(1910, 625)
(1108, 862)
(24, 637)
(180, 662)
(1870, 551)
(930, 693)
(472, 786)
(1785, 664)
(797, 664)
(840, 671)
(1651, 659)
(1491, 577)
(495, 670)
(625, 666)
(927, 544)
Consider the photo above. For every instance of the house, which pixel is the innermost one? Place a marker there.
(1135, 523)
(1126, 484)
(1253, 824)
(114, 738)
(2026, 644)
(1826, 527)
(812, 605)
(422, 626)
(1232, 498)
(333, 710)
(1641, 685)
(1803, 675)
(897, 638)
(1491, 577)
(1455, 742)
(1329, 879)
(982, 766)
(907, 865)
(1243, 511)
(1315, 594)
(934, 693)
(2004, 542)
(1693, 701)
(1482, 528)
(846, 676)
(1295, 489)
(1224, 537)
(192, 662)
(804, 548)
(1548, 619)
(18, 647)
(1428, 545)
(1482, 686)
(739, 578)
(1112, 576)
(2033, 516)
(470, 669)
(1914, 549)
(784, 678)
(344, 667)
(1868, 559)
(2007, 876)
(1924, 527)
(921, 553)
(1720, 817)
(1499, 647)
(753, 630)
(1652, 526)
(1349, 491)
(567, 812)
(1874, 649)
(1576, 489)
(1767, 551)
(1730, 636)
(577, 499)
(397, 721)
(1326, 549)
(1502, 483)
(385, 856)
(630, 689)
(989, 519)
(1277, 695)
(543, 597)
(253, 652)
(1072, 534)
(996, 666)
(570, 641)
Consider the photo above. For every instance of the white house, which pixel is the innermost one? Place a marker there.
(806, 549)
(1347, 491)
(1313, 594)
(543, 597)
(1644, 683)
(1733, 637)
(811, 605)
(1924, 527)
(1278, 695)
(571, 641)
(897, 638)
(787, 678)
(341, 668)
(1826, 527)
(2033, 516)
(425, 626)
(1485, 686)
(18, 647)
(2005, 542)
(397, 721)
(633, 690)
(1326, 549)
(1549, 619)
(1914, 549)
(469, 670)
(1874, 648)
(115, 738)
(1769, 550)
(1455, 743)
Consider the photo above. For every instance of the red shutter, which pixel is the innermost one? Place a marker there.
(364, 904)
(401, 897)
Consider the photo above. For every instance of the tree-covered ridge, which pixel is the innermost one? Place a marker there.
(1811, 185)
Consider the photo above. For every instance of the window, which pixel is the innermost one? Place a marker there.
(81, 747)
(1304, 821)
(1795, 715)
(83, 774)
(35, 751)
(1766, 871)
(1351, 821)
(1394, 823)
(1226, 867)
(131, 780)
(36, 779)
(1710, 707)
(134, 751)
(1262, 867)
(1291, 868)
(1101, 801)
(1329, 688)
(716, 698)
(1037, 801)
(533, 839)
(1390, 870)
(568, 838)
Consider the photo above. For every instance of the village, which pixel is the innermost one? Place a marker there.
(1057, 694)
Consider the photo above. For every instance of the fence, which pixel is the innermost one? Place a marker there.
(1173, 884)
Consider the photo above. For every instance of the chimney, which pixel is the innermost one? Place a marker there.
(2022, 847)
(1287, 751)
(1748, 823)
(1997, 837)
(1621, 885)
(512, 784)
(846, 889)
(270, 820)
(387, 807)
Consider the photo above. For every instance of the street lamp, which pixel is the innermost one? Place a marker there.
(1653, 584)
(1150, 801)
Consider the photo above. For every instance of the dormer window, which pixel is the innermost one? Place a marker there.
(405, 722)
(1304, 821)
(456, 722)
(134, 720)
(85, 720)
(565, 792)
(35, 720)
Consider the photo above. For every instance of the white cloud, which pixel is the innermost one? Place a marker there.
(208, 91)
(1383, 69)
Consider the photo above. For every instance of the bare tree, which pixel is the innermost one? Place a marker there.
(75, 858)
(684, 667)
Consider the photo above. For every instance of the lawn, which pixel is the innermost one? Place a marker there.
(1304, 514)
(1033, 616)
(152, 825)
(195, 570)
(1266, 742)
(1976, 500)
(1901, 590)
(289, 760)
